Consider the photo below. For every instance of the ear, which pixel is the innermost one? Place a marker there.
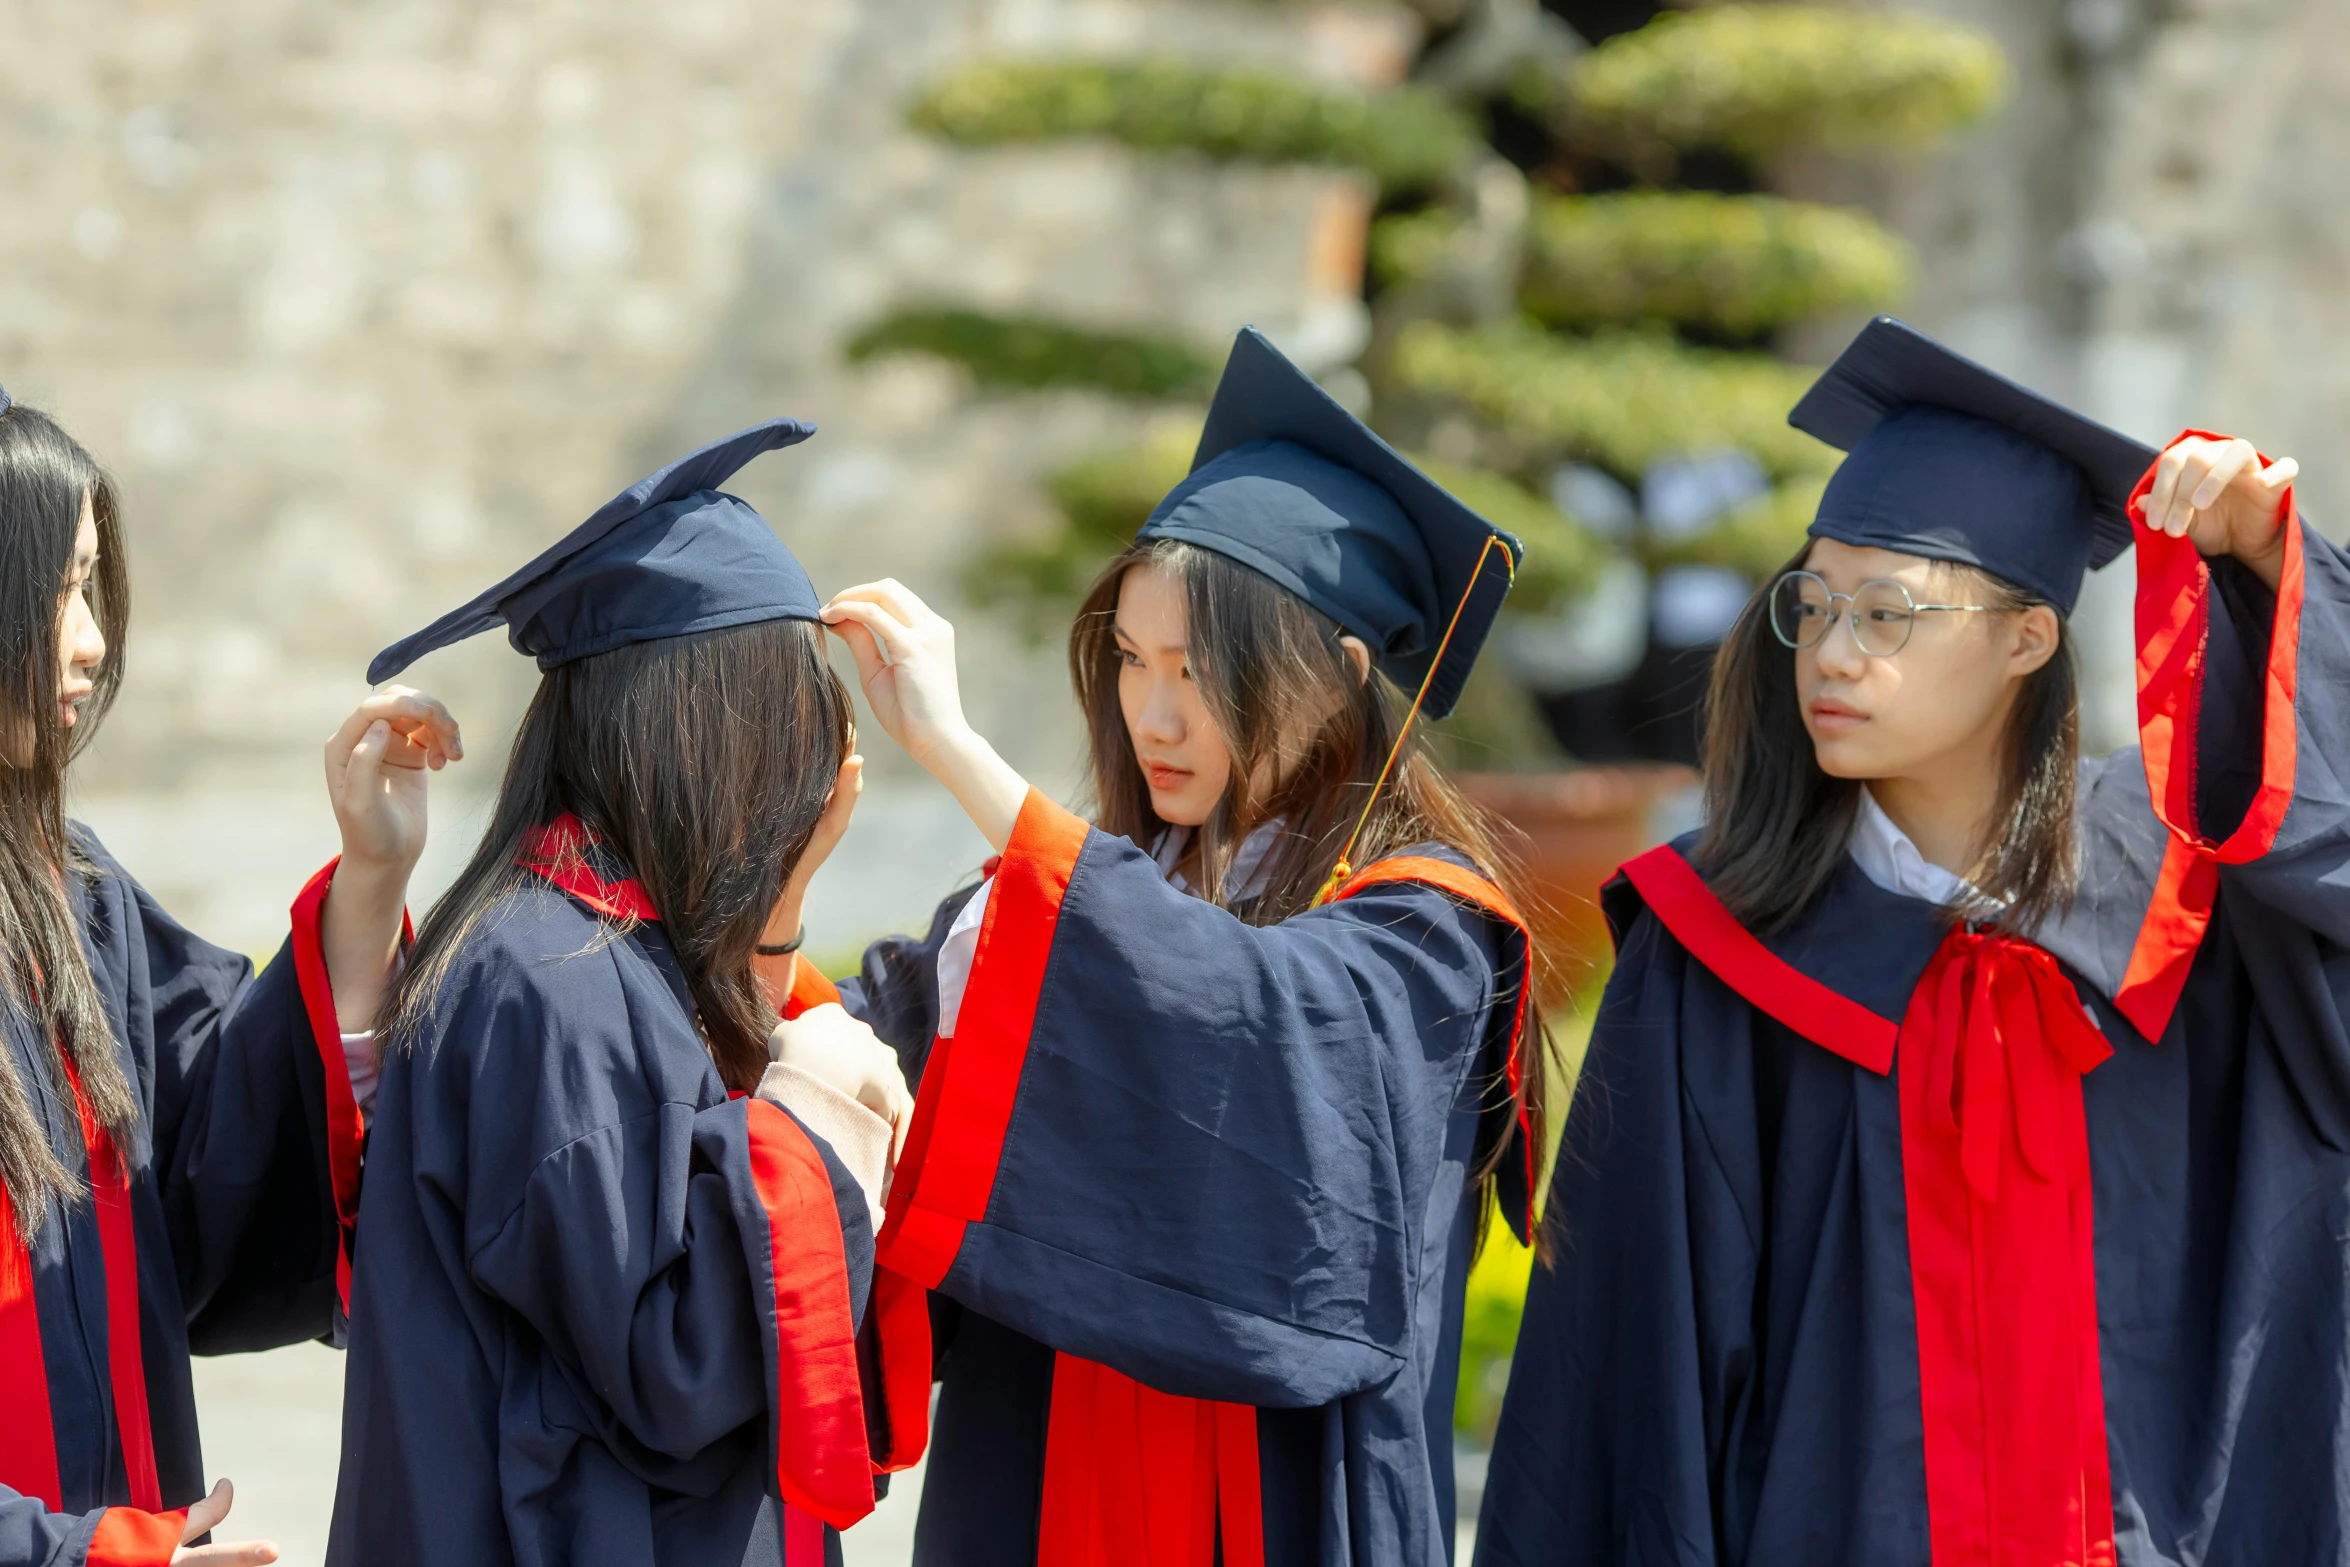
(2036, 638)
(1358, 655)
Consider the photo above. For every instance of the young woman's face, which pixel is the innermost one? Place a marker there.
(1184, 759)
(1939, 703)
(81, 646)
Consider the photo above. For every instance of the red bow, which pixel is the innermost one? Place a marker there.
(2008, 1027)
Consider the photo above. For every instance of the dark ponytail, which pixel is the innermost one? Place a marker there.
(705, 762)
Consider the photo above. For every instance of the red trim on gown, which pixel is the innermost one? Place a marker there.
(1995, 1169)
(820, 1389)
(1132, 1475)
(2173, 624)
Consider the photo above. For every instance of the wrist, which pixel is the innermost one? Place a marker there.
(951, 752)
(2268, 561)
(360, 879)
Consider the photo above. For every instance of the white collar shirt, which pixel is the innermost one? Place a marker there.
(1887, 856)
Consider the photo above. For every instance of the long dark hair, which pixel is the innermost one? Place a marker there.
(704, 762)
(1777, 826)
(45, 476)
(1307, 738)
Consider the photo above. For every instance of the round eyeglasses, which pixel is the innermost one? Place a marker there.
(1881, 612)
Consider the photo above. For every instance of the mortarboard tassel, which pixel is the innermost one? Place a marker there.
(1345, 866)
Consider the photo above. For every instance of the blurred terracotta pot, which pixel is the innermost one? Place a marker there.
(1576, 828)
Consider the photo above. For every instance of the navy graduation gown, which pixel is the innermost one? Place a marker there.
(602, 1310)
(1848, 1275)
(217, 1227)
(1194, 1197)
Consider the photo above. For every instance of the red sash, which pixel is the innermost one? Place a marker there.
(558, 852)
(28, 1437)
(1138, 1478)
(1995, 1162)
(1995, 1172)
(28, 1440)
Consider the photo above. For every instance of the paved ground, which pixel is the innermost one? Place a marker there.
(272, 1424)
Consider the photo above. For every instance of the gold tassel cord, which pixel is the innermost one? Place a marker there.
(1345, 866)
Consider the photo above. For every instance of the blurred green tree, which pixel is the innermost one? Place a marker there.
(1575, 274)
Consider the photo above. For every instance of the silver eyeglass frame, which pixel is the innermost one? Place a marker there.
(1851, 612)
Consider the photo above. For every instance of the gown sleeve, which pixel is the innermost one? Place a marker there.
(895, 989)
(2238, 788)
(1639, 1336)
(1191, 1149)
(33, 1536)
(2244, 719)
(695, 1271)
(253, 1136)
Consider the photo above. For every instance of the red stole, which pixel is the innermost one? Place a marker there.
(1995, 1170)
(1138, 1478)
(1141, 1478)
(28, 1439)
(558, 852)
(1995, 1162)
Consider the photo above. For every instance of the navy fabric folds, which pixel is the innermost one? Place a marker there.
(1722, 1367)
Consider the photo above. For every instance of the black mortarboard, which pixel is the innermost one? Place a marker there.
(1290, 484)
(669, 555)
(1955, 462)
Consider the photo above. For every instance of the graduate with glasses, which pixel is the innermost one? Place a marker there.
(1960, 1172)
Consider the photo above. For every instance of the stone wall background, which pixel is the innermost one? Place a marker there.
(2156, 228)
(365, 303)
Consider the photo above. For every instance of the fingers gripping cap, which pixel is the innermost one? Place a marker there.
(668, 556)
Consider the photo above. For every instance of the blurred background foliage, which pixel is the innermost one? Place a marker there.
(1754, 80)
(1576, 269)
(1405, 137)
(1735, 265)
(1030, 353)
(1622, 400)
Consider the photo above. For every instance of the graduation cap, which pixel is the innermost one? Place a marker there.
(1290, 484)
(1956, 462)
(670, 555)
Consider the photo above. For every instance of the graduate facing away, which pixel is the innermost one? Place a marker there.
(1213, 1088)
(179, 1136)
(1960, 1172)
(614, 1298)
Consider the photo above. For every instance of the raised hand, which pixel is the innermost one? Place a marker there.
(786, 922)
(202, 1519)
(2218, 495)
(375, 767)
(905, 655)
(375, 770)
